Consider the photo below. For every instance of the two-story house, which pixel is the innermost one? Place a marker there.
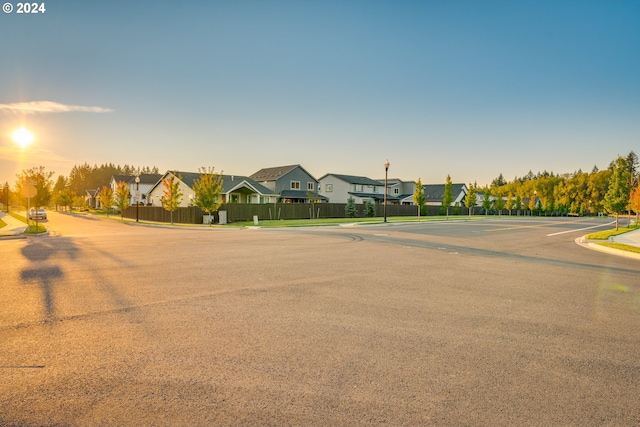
(339, 188)
(293, 183)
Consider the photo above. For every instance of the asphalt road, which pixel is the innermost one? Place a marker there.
(499, 322)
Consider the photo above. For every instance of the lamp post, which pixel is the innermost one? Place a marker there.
(534, 205)
(137, 196)
(386, 172)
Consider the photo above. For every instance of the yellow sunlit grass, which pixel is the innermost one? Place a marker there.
(23, 137)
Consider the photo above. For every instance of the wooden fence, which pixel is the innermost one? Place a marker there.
(244, 212)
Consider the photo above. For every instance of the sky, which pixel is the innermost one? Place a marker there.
(469, 89)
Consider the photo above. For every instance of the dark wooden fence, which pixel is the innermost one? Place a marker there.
(244, 212)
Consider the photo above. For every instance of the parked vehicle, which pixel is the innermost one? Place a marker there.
(37, 213)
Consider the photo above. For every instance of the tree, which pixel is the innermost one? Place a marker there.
(498, 182)
(122, 197)
(370, 208)
(64, 198)
(518, 204)
(207, 190)
(39, 178)
(447, 197)
(499, 204)
(486, 200)
(509, 203)
(617, 198)
(106, 199)
(350, 209)
(172, 195)
(634, 201)
(418, 196)
(471, 198)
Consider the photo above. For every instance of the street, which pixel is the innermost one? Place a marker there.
(497, 322)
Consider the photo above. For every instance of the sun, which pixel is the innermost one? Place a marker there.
(22, 137)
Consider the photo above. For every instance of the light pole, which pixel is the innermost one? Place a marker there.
(534, 205)
(386, 172)
(137, 196)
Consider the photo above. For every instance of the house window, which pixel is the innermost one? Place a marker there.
(310, 186)
(359, 187)
(396, 191)
(295, 185)
(329, 188)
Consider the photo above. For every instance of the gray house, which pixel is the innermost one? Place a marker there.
(434, 193)
(339, 188)
(293, 183)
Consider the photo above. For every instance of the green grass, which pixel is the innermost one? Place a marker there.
(32, 229)
(604, 235)
(621, 246)
(2, 223)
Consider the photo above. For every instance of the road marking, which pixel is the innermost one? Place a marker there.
(580, 229)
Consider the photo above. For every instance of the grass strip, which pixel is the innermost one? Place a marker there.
(18, 217)
(604, 235)
(2, 224)
(621, 246)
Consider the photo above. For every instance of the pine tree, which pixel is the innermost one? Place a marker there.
(350, 209)
(370, 208)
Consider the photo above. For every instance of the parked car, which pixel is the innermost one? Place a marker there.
(37, 213)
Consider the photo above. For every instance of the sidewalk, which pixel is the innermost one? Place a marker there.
(13, 227)
(631, 238)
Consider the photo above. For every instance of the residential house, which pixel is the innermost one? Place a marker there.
(339, 188)
(434, 193)
(400, 192)
(293, 183)
(235, 189)
(137, 190)
(90, 198)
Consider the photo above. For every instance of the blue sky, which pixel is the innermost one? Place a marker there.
(466, 88)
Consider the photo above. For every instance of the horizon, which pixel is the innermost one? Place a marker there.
(470, 89)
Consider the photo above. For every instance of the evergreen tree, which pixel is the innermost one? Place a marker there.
(370, 208)
(350, 209)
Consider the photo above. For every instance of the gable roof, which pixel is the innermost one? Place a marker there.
(275, 173)
(435, 192)
(352, 179)
(229, 182)
(145, 178)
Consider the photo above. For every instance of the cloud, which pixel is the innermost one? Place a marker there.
(35, 107)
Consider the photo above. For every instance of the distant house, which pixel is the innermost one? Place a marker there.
(138, 191)
(235, 189)
(292, 183)
(338, 188)
(401, 192)
(434, 194)
(90, 198)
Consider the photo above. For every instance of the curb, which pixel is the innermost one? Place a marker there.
(581, 241)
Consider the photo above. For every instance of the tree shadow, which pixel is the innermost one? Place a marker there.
(45, 277)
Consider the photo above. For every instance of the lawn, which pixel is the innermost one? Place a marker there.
(2, 224)
(621, 246)
(604, 235)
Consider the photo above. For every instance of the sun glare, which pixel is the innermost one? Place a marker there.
(22, 137)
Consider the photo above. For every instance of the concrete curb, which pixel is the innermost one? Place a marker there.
(581, 241)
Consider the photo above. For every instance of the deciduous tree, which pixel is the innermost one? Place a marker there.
(418, 196)
(617, 198)
(122, 197)
(207, 190)
(471, 198)
(447, 197)
(172, 195)
(106, 199)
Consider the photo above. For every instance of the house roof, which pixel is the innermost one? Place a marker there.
(229, 182)
(435, 192)
(352, 179)
(300, 194)
(271, 174)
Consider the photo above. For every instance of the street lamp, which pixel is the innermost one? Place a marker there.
(137, 197)
(386, 172)
(533, 206)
